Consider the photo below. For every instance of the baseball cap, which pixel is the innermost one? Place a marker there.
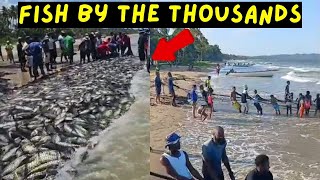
(172, 139)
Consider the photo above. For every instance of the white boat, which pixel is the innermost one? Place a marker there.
(253, 71)
(252, 74)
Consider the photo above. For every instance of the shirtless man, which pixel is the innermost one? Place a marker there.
(233, 98)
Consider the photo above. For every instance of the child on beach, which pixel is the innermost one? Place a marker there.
(289, 101)
(302, 107)
(193, 97)
(256, 101)
(210, 101)
(234, 101)
(298, 102)
(208, 83)
(308, 102)
(204, 103)
(274, 102)
(158, 84)
(317, 102)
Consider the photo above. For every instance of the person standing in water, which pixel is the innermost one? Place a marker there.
(289, 101)
(203, 107)
(302, 107)
(256, 101)
(317, 102)
(176, 161)
(274, 102)
(298, 100)
(171, 89)
(207, 83)
(308, 102)
(233, 98)
(213, 153)
(287, 90)
(210, 102)
(158, 83)
(262, 170)
(244, 101)
(218, 69)
(193, 96)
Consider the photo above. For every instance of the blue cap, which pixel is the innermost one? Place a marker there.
(172, 139)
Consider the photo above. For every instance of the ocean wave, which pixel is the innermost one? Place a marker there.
(293, 76)
(306, 69)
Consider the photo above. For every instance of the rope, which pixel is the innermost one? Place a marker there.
(157, 151)
(161, 176)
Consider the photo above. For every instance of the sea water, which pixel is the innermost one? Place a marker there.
(293, 144)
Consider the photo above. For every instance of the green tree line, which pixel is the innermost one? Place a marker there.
(200, 50)
(9, 27)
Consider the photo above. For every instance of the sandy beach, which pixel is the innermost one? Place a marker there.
(165, 118)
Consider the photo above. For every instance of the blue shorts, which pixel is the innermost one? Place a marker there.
(276, 107)
(158, 91)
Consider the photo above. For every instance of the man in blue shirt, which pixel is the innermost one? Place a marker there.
(36, 52)
(171, 89)
(213, 152)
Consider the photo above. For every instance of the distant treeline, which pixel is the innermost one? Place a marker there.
(200, 50)
(9, 27)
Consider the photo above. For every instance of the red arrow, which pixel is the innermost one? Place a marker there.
(165, 50)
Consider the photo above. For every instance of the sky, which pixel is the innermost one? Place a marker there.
(253, 42)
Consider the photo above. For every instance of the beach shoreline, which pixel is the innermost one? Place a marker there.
(247, 135)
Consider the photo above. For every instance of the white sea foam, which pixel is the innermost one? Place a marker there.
(292, 76)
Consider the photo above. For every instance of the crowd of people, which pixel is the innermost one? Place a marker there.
(35, 53)
(176, 161)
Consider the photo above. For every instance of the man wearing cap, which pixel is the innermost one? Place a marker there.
(9, 49)
(21, 55)
(244, 97)
(177, 162)
(45, 47)
(213, 152)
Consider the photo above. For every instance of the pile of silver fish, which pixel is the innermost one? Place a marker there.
(42, 124)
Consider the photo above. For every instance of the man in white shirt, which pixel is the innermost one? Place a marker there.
(177, 161)
(62, 47)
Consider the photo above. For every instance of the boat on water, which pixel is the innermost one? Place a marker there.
(251, 74)
(250, 71)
